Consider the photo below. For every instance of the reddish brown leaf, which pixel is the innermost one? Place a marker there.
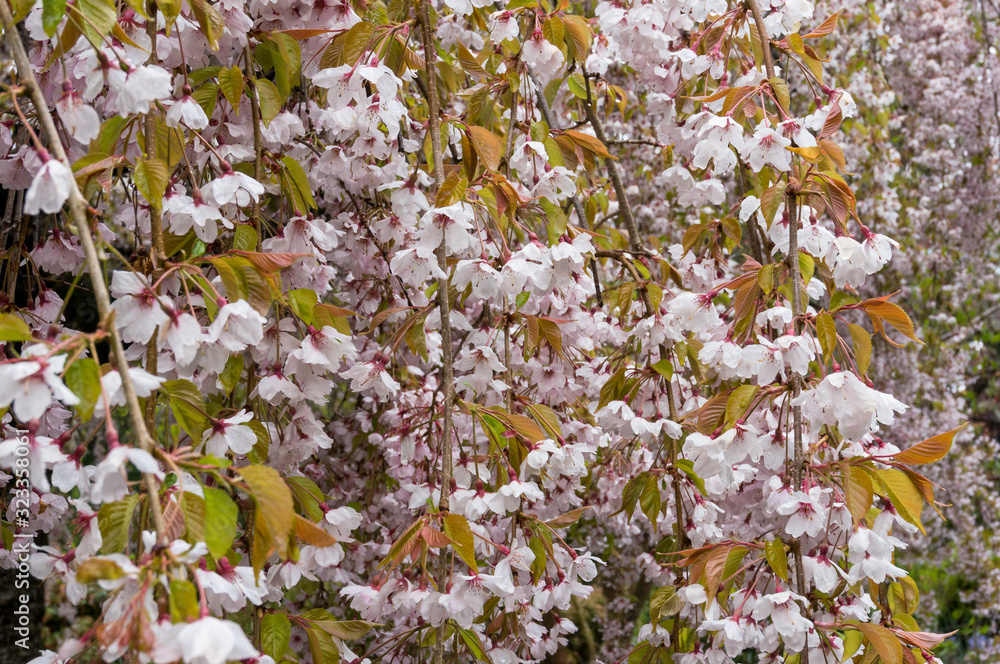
(929, 450)
(269, 262)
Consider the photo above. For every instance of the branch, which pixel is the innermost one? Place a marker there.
(636, 141)
(765, 43)
(616, 181)
(258, 139)
(543, 106)
(444, 298)
(149, 131)
(794, 210)
(78, 208)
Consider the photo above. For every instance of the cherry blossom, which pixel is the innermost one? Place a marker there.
(49, 188)
(521, 334)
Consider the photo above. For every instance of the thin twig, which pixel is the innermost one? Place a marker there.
(623, 204)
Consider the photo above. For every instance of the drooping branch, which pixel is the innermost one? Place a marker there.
(444, 299)
(78, 209)
(258, 138)
(574, 200)
(798, 460)
(159, 253)
(616, 180)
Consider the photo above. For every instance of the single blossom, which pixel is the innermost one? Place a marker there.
(50, 188)
(31, 385)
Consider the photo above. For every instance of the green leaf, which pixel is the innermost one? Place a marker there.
(347, 630)
(83, 378)
(273, 56)
(99, 17)
(456, 527)
(111, 132)
(356, 42)
(245, 238)
(807, 266)
(231, 84)
(576, 85)
(275, 516)
(547, 417)
(199, 76)
(282, 53)
(220, 521)
(302, 302)
(664, 602)
(13, 328)
(232, 372)
(170, 144)
(770, 202)
(209, 20)
(904, 495)
(296, 185)
(665, 368)
(650, 500)
(151, 178)
(780, 91)
(307, 496)
(473, 643)
(183, 601)
(841, 299)
(774, 551)
(765, 279)
(826, 330)
(739, 400)
(452, 189)
(852, 643)
(885, 643)
(258, 288)
(275, 633)
(263, 445)
(269, 99)
(862, 342)
(53, 12)
(193, 507)
(633, 489)
(555, 218)
(416, 338)
(322, 647)
(114, 520)
(207, 95)
(858, 492)
(170, 9)
(538, 565)
(187, 403)
(686, 466)
(97, 569)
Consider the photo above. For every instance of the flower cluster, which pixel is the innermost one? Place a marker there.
(405, 358)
